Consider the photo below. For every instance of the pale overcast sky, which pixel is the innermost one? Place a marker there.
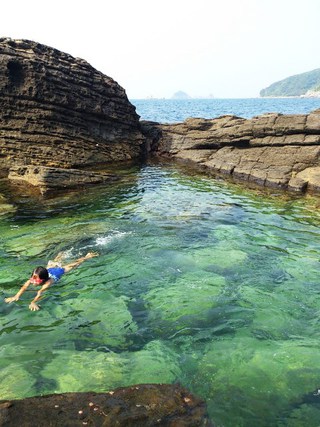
(227, 48)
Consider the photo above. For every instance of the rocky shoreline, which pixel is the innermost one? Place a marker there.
(59, 114)
(271, 150)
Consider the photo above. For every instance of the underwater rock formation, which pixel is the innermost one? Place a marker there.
(58, 111)
(272, 150)
(139, 405)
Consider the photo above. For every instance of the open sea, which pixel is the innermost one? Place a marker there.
(171, 110)
(198, 281)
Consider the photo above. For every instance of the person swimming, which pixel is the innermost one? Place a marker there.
(46, 276)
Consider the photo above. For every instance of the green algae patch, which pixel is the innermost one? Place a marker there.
(85, 370)
(186, 301)
(276, 314)
(256, 378)
(301, 272)
(16, 382)
(30, 329)
(50, 235)
(219, 256)
(155, 363)
(94, 321)
(305, 415)
(229, 234)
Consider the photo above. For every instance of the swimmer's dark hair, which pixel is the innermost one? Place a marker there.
(42, 273)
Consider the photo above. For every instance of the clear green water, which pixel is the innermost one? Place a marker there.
(198, 282)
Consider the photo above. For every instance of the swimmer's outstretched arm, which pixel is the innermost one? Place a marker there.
(18, 294)
(33, 306)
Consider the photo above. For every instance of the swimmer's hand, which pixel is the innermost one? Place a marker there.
(11, 299)
(33, 306)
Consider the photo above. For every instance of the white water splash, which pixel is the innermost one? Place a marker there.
(116, 235)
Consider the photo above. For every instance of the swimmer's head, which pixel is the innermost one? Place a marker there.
(39, 276)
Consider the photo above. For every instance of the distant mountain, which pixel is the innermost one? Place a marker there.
(297, 85)
(180, 95)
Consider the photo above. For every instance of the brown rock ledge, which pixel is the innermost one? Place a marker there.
(47, 179)
(145, 405)
(271, 150)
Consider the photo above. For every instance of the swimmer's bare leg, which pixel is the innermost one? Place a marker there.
(79, 261)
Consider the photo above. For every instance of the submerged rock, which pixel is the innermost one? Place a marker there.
(155, 363)
(140, 405)
(77, 371)
(186, 301)
(271, 150)
(257, 378)
(14, 378)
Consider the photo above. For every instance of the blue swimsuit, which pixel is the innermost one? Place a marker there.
(56, 273)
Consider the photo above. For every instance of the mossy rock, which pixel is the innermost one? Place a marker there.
(155, 363)
(277, 314)
(231, 236)
(16, 382)
(86, 370)
(256, 380)
(50, 234)
(41, 329)
(305, 415)
(186, 301)
(95, 321)
(219, 256)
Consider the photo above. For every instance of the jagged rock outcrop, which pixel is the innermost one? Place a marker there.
(58, 111)
(272, 150)
(141, 405)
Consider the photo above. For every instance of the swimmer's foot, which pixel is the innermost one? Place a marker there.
(91, 255)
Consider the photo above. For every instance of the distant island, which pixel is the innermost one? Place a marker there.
(304, 85)
(180, 95)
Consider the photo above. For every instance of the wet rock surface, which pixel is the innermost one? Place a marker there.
(272, 150)
(140, 405)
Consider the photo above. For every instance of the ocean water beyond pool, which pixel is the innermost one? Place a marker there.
(171, 110)
(198, 281)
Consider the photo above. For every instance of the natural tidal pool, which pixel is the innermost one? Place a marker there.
(199, 281)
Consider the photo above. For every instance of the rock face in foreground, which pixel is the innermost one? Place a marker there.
(271, 150)
(58, 111)
(136, 406)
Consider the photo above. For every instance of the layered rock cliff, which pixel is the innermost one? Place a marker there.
(271, 150)
(58, 111)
